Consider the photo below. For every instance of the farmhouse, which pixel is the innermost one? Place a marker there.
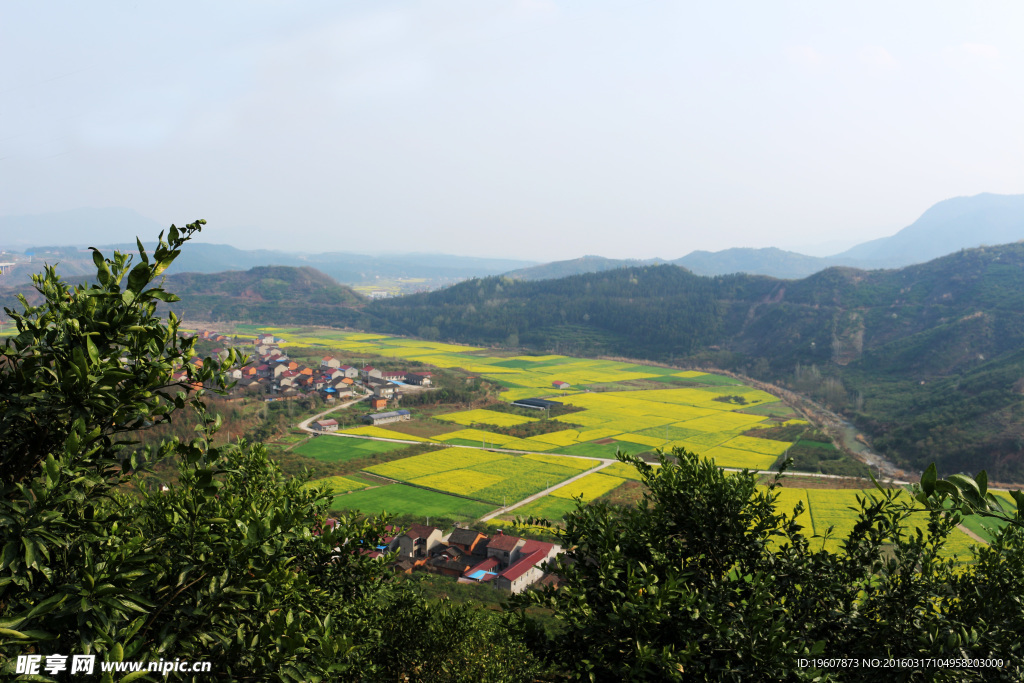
(384, 389)
(560, 385)
(330, 362)
(504, 549)
(523, 573)
(450, 562)
(385, 418)
(468, 541)
(325, 425)
(418, 541)
(421, 379)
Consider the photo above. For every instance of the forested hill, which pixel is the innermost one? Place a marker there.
(265, 294)
(929, 358)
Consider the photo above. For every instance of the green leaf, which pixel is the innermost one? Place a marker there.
(928, 480)
(94, 354)
(139, 278)
(11, 633)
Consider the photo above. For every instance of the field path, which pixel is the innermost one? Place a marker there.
(973, 535)
(304, 425)
(530, 499)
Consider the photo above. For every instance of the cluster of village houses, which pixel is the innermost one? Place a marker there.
(272, 373)
(502, 561)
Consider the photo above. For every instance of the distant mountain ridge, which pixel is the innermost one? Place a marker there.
(585, 264)
(946, 227)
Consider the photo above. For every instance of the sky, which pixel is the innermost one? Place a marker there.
(532, 129)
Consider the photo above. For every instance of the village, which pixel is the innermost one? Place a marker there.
(273, 374)
(502, 561)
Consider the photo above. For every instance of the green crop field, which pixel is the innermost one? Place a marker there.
(335, 449)
(398, 499)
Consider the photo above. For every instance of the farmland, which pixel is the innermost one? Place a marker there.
(398, 499)
(482, 475)
(608, 406)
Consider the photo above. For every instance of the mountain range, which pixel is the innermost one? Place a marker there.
(950, 225)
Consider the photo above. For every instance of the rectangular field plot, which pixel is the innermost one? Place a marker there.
(602, 450)
(340, 449)
(489, 417)
(398, 499)
(381, 433)
(651, 441)
(464, 482)
(476, 436)
(764, 446)
(494, 477)
(733, 457)
(723, 422)
(566, 437)
(522, 477)
(623, 471)
(592, 486)
(528, 445)
(441, 460)
(579, 464)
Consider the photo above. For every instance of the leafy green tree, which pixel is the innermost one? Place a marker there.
(706, 580)
(233, 564)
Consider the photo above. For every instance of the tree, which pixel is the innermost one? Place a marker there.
(232, 564)
(706, 580)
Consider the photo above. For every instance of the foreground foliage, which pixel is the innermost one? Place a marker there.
(706, 580)
(233, 564)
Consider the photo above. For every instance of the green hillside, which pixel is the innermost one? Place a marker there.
(926, 358)
(268, 293)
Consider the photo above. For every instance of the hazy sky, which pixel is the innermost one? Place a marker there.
(521, 128)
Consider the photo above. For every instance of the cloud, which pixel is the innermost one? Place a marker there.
(876, 56)
(806, 57)
(974, 55)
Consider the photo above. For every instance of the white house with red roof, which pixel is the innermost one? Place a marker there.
(524, 573)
